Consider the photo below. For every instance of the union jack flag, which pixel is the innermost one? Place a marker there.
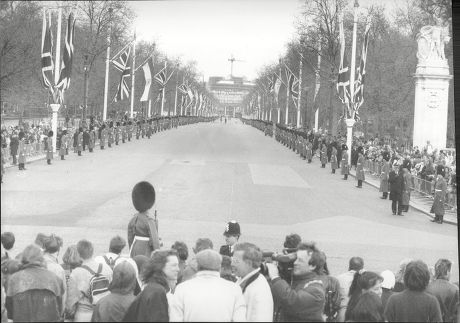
(160, 77)
(361, 72)
(47, 58)
(121, 64)
(182, 88)
(293, 86)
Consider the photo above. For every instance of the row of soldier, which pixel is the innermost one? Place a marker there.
(107, 133)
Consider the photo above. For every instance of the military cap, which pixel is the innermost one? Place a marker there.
(50, 133)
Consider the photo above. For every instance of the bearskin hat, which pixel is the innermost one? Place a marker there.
(440, 170)
(344, 147)
(50, 133)
(111, 124)
(118, 123)
(360, 150)
(80, 129)
(21, 135)
(143, 196)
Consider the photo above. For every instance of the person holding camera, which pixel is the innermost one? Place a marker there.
(256, 291)
(304, 299)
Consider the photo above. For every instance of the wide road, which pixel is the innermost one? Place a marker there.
(206, 175)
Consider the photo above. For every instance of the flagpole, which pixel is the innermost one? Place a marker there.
(287, 103)
(107, 67)
(351, 121)
(300, 90)
(132, 75)
(56, 78)
(163, 95)
(150, 108)
(317, 85)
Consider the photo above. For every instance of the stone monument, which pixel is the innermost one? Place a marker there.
(431, 88)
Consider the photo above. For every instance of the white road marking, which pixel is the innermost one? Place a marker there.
(276, 175)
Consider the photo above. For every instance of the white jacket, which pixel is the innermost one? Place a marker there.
(207, 297)
(259, 299)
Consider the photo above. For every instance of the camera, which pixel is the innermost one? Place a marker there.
(285, 262)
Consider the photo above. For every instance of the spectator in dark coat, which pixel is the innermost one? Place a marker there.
(414, 304)
(396, 181)
(151, 305)
(444, 291)
(34, 294)
(113, 307)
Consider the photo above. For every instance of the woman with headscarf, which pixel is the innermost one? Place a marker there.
(113, 307)
(387, 285)
(151, 305)
(34, 293)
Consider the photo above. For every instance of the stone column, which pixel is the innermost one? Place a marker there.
(431, 88)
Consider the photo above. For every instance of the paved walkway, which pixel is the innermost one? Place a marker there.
(422, 204)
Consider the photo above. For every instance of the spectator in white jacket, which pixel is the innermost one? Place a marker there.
(207, 297)
(246, 261)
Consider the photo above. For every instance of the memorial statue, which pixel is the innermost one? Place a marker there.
(431, 41)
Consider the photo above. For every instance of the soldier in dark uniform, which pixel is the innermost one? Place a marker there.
(323, 154)
(143, 128)
(63, 146)
(396, 181)
(117, 133)
(309, 152)
(360, 167)
(138, 130)
(334, 164)
(344, 166)
(49, 147)
(75, 140)
(110, 135)
(149, 129)
(440, 189)
(123, 132)
(80, 141)
(130, 130)
(232, 234)
(142, 230)
(102, 136)
(92, 138)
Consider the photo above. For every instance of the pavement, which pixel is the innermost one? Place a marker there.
(417, 202)
(208, 174)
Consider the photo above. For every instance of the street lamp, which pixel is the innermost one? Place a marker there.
(85, 88)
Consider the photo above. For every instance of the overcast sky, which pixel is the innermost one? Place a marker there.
(210, 31)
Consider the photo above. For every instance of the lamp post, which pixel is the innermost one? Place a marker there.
(85, 89)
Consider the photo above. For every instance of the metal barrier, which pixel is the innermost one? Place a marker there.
(423, 187)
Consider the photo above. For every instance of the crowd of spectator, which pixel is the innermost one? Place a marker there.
(238, 283)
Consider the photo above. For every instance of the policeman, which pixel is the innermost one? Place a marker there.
(232, 233)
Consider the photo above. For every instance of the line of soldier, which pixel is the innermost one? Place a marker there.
(109, 132)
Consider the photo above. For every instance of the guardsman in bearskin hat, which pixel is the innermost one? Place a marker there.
(110, 134)
(360, 167)
(334, 164)
(149, 128)
(22, 151)
(309, 151)
(143, 128)
(232, 233)
(142, 230)
(117, 133)
(384, 186)
(49, 147)
(440, 189)
(138, 129)
(103, 136)
(63, 146)
(344, 162)
(323, 154)
(130, 130)
(123, 132)
(92, 138)
(80, 141)
(75, 141)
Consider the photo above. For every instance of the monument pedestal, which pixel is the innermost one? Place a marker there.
(55, 107)
(431, 101)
